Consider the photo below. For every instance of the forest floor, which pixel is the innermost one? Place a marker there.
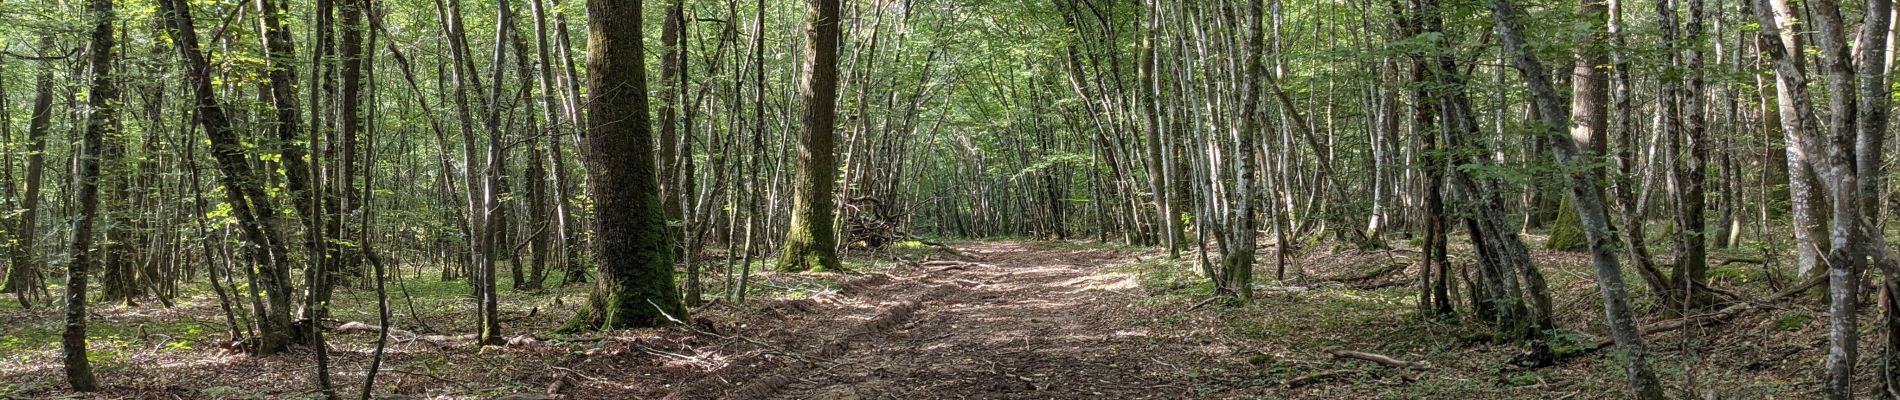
(1001, 320)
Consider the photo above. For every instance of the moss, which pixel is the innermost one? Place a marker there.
(1737, 275)
(1567, 233)
(1792, 322)
(1261, 360)
(636, 287)
(1525, 379)
(807, 250)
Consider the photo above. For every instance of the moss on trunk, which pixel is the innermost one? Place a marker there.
(1567, 233)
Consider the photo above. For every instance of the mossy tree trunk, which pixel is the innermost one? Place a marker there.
(632, 248)
(811, 245)
(1567, 233)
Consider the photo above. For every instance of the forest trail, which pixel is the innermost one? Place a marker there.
(1016, 321)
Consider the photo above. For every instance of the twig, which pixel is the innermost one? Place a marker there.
(1203, 303)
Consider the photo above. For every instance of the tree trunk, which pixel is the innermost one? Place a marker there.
(1584, 189)
(634, 254)
(811, 243)
(244, 191)
(672, 94)
(102, 99)
(1690, 170)
(24, 278)
(1157, 163)
(1846, 256)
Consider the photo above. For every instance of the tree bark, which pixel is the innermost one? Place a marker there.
(811, 245)
(1584, 193)
(244, 192)
(1846, 256)
(102, 99)
(24, 277)
(634, 254)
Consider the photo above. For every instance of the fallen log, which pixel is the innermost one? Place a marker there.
(359, 327)
(1740, 260)
(403, 336)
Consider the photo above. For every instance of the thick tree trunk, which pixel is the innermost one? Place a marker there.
(634, 254)
(811, 245)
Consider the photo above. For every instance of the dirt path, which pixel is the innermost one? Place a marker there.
(1016, 321)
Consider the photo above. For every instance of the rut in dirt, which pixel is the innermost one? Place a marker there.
(1013, 321)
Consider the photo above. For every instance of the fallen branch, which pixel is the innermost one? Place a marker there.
(1718, 316)
(359, 327)
(1381, 359)
(1398, 266)
(1204, 303)
(940, 246)
(945, 265)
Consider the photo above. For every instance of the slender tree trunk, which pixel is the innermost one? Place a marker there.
(254, 211)
(1846, 256)
(1584, 190)
(1870, 137)
(672, 95)
(1151, 111)
(556, 222)
(1237, 259)
(24, 276)
(1434, 280)
(280, 54)
(102, 99)
(1691, 273)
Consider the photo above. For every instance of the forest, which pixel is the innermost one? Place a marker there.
(956, 199)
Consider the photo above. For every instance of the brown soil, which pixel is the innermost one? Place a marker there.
(1017, 321)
